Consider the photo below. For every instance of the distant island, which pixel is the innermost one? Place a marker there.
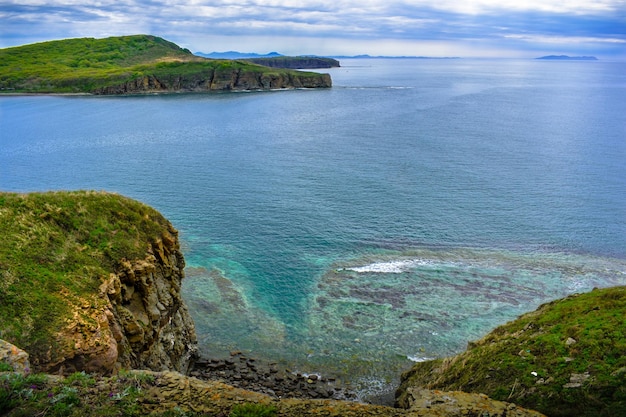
(365, 56)
(568, 58)
(136, 64)
(254, 56)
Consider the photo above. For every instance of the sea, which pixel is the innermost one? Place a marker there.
(352, 231)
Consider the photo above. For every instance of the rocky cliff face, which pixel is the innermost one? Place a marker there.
(138, 320)
(148, 318)
(230, 79)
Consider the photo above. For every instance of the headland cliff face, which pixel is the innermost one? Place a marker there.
(145, 321)
(142, 323)
(228, 79)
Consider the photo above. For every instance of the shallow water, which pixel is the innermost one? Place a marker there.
(409, 209)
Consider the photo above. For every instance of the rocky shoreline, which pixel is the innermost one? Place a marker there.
(269, 378)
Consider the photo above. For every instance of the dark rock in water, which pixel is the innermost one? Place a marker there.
(268, 378)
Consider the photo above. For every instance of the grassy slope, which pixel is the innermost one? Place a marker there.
(58, 246)
(574, 336)
(86, 64)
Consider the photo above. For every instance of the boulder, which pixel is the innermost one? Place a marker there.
(15, 357)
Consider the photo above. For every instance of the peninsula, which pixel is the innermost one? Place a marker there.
(134, 65)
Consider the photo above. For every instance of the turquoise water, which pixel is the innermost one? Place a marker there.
(409, 209)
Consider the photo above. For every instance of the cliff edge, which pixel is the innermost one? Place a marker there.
(91, 282)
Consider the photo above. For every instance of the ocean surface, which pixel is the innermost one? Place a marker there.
(350, 231)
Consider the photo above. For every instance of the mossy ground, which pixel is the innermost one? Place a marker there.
(56, 249)
(539, 360)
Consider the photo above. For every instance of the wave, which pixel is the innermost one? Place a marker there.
(391, 267)
(380, 87)
(419, 358)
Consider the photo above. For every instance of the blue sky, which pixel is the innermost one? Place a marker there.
(470, 28)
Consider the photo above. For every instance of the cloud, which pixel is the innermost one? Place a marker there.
(525, 25)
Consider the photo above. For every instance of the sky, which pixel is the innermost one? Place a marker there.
(437, 28)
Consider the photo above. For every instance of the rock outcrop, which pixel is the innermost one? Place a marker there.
(459, 404)
(149, 319)
(229, 79)
(14, 357)
(143, 322)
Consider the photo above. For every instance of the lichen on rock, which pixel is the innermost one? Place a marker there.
(14, 357)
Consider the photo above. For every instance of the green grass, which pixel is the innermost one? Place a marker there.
(253, 410)
(81, 65)
(530, 361)
(55, 251)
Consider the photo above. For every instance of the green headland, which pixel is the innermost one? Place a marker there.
(135, 64)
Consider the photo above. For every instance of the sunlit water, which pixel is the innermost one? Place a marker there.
(409, 209)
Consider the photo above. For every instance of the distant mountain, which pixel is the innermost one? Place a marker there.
(568, 58)
(390, 57)
(236, 55)
(252, 55)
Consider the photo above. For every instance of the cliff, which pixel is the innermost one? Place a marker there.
(296, 62)
(135, 64)
(91, 282)
(221, 78)
(564, 359)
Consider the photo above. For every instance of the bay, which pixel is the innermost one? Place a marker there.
(409, 209)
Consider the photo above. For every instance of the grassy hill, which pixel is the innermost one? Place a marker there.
(138, 62)
(568, 358)
(58, 246)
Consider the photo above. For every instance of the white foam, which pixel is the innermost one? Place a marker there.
(390, 267)
(419, 358)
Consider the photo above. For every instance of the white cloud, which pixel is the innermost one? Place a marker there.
(476, 25)
(563, 40)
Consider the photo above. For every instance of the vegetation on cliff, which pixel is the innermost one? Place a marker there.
(131, 64)
(565, 359)
(59, 247)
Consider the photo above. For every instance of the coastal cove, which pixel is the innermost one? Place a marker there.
(349, 231)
